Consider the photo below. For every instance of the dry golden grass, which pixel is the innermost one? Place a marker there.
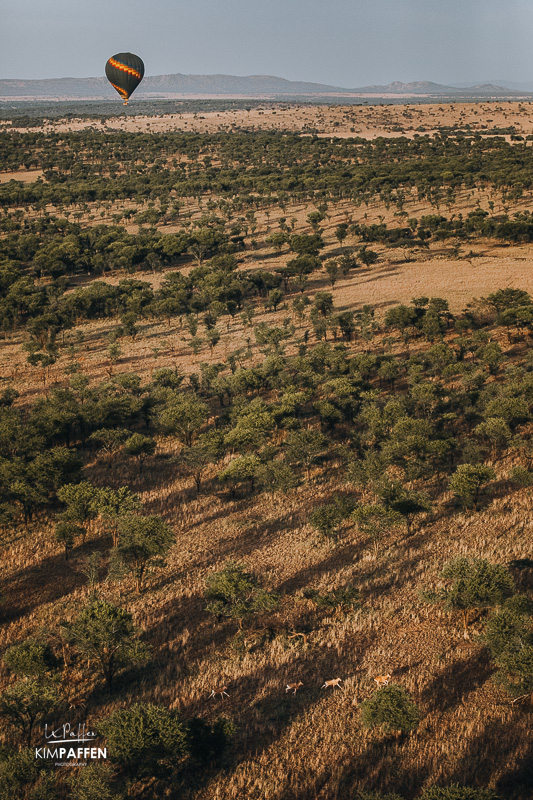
(366, 121)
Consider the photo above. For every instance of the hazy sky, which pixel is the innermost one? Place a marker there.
(343, 42)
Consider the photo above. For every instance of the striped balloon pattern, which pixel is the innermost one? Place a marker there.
(124, 72)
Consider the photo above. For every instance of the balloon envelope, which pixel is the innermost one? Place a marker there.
(124, 71)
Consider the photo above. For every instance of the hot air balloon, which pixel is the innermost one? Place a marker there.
(124, 72)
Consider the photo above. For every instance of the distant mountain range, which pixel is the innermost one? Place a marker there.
(167, 86)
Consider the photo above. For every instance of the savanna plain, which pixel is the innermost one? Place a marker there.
(266, 454)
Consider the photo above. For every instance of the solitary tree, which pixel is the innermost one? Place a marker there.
(376, 521)
(233, 592)
(106, 635)
(66, 533)
(474, 584)
(328, 518)
(509, 637)
(140, 447)
(142, 539)
(468, 481)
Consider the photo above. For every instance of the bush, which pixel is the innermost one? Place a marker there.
(145, 739)
(476, 583)
(235, 593)
(94, 782)
(328, 518)
(509, 638)
(468, 480)
(521, 477)
(391, 708)
(31, 659)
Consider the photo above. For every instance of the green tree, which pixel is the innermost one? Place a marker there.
(106, 635)
(30, 659)
(94, 782)
(468, 481)
(233, 592)
(26, 702)
(332, 270)
(66, 533)
(110, 440)
(112, 504)
(81, 502)
(20, 774)
(241, 469)
(182, 416)
(305, 446)
(141, 540)
(390, 708)
(275, 296)
(251, 427)
(145, 740)
(306, 244)
(324, 303)
(376, 521)
(140, 447)
(475, 583)
(197, 458)
(328, 518)
(275, 476)
(509, 637)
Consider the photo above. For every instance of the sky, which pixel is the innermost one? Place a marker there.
(346, 43)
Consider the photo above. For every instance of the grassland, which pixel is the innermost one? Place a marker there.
(312, 744)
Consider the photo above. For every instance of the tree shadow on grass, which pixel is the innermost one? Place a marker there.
(456, 681)
(500, 743)
(47, 581)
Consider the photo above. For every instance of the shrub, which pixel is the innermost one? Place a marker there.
(391, 708)
(468, 480)
(31, 659)
(476, 583)
(235, 593)
(145, 739)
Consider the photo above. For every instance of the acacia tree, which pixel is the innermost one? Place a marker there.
(509, 638)
(475, 583)
(140, 447)
(468, 481)
(112, 504)
(106, 635)
(182, 416)
(233, 592)
(27, 701)
(197, 458)
(81, 501)
(376, 521)
(145, 738)
(141, 540)
(305, 446)
(66, 533)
